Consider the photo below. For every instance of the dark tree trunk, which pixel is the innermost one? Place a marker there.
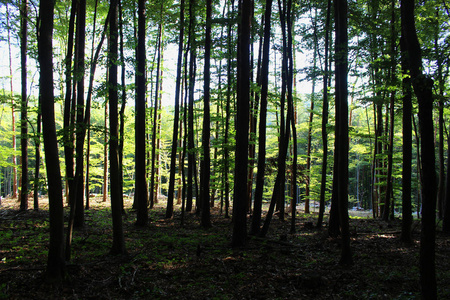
(55, 262)
(24, 106)
(206, 133)
(173, 156)
(190, 126)
(242, 125)
(141, 196)
(423, 89)
(257, 207)
(446, 221)
(407, 149)
(118, 245)
(68, 114)
(290, 99)
(80, 121)
(341, 67)
(388, 200)
(38, 159)
(323, 181)
(123, 104)
(279, 187)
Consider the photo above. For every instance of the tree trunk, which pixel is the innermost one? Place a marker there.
(423, 89)
(190, 108)
(206, 133)
(173, 156)
(80, 121)
(13, 114)
(55, 262)
(388, 201)
(68, 113)
(38, 160)
(407, 150)
(123, 104)
(323, 181)
(341, 155)
(240, 201)
(155, 120)
(105, 152)
(141, 196)
(24, 106)
(118, 245)
(257, 207)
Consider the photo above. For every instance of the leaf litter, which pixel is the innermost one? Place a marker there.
(168, 261)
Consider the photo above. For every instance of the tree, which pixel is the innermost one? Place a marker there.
(406, 148)
(423, 89)
(140, 195)
(257, 207)
(24, 106)
(206, 133)
(323, 180)
(176, 120)
(341, 144)
(153, 189)
(118, 246)
(81, 123)
(242, 124)
(55, 262)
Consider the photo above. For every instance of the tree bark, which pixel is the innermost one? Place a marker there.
(257, 206)
(141, 195)
(407, 149)
(206, 133)
(239, 237)
(423, 89)
(173, 156)
(24, 106)
(118, 245)
(55, 262)
(341, 155)
(323, 181)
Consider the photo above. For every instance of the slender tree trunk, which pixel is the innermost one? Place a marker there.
(389, 190)
(407, 149)
(323, 181)
(80, 121)
(55, 262)
(446, 222)
(441, 81)
(118, 245)
(226, 149)
(68, 113)
(105, 152)
(291, 107)
(239, 237)
(155, 120)
(423, 89)
(257, 207)
(311, 115)
(123, 104)
(38, 159)
(173, 156)
(24, 105)
(206, 133)
(13, 114)
(190, 119)
(341, 68)
(141, 196)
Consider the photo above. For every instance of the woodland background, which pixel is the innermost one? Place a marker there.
(325, 105)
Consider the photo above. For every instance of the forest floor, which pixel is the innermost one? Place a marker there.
(167, 261)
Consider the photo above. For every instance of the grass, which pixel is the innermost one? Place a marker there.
(167, 261)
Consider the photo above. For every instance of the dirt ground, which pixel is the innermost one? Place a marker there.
(168, 261)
